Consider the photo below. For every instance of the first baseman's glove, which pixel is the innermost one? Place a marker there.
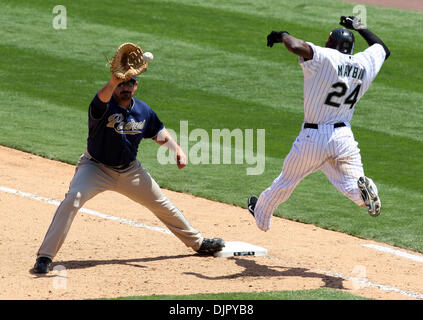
(275, 36)
(352, 23)
(128, 61)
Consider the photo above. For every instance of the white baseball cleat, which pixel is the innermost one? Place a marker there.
(369, 195)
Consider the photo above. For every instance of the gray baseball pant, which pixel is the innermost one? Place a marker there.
(91, 178)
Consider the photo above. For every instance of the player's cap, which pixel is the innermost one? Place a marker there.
(342, 40)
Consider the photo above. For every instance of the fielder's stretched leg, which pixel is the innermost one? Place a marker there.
(89, 180)
(138, 185)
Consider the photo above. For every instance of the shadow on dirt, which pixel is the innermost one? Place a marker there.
(254, 269)
(83, 264)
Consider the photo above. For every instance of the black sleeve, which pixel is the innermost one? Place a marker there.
(371, 39)
(97, 108)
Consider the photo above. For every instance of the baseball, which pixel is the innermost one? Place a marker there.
(147, 56)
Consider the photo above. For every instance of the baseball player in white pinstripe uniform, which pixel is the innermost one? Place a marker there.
(334, 81)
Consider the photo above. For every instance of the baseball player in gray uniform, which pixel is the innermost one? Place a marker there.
(334, 81)
(117, 124)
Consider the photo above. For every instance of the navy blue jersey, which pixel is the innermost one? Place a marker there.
(114, 137)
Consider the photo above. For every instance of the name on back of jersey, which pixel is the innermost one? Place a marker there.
(348, 70)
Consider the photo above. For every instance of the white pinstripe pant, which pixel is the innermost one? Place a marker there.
(331, 150)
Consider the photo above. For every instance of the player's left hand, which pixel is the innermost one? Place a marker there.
(128, 61)
(351, 22)
(181, 159)
(274, 37)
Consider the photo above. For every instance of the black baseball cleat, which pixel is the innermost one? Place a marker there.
(369, 195)
(252, 201)
(210, 246)
(42, 265)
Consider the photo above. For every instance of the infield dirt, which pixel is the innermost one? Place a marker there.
(106, 258)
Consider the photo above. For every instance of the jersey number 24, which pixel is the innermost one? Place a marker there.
(340, 92)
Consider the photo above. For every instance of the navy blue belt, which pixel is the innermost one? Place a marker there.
(121, 167)
(316, 126)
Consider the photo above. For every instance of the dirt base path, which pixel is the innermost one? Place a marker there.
(106, 258)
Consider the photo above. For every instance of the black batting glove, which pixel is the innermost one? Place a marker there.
(351, 22)
(274, 37)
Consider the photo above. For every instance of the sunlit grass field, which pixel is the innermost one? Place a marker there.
(212, 68)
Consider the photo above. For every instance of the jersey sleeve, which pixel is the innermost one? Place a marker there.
(312, 65)
(154, 125)
(97, 108)
(372, 59)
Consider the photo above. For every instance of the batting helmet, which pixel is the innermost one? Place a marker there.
(342, 40)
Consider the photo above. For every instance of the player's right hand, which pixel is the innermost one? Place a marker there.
(116, 80)
(181, 159)
(274, 37)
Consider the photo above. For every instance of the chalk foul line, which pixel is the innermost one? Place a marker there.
(396, 252)
(362, 281)
(84, 210)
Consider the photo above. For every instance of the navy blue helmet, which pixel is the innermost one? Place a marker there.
(342, 40)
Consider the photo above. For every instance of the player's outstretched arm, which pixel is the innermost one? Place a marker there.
(292, 44)
(371, 39)
(165, 139)
(354, 23)
(105, 93)
(98, 106)
(298, 47)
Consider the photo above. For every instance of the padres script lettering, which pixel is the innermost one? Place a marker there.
(117, 122)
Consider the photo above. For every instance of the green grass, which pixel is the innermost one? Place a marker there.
(315, 294)
(213, 69)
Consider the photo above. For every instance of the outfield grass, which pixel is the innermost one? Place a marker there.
(213, 69)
